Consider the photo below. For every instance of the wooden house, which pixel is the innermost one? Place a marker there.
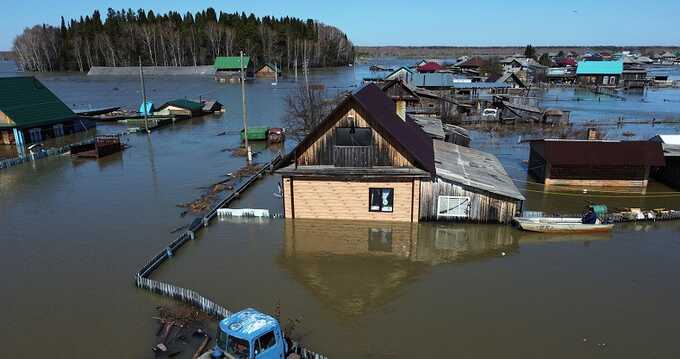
(180, 107)
(509, 78)
(403, 96)
(594, 163)
(228, 68)
(599, 73)
(31, 113)
(267, 71)
(365, 162)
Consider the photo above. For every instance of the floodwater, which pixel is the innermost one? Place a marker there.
(75, 232)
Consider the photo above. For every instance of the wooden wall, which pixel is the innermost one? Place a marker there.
(329, 199)
(485, 207)
(382, 153)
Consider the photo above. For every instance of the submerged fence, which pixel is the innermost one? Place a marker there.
(190, 296)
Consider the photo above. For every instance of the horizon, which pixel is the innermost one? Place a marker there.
(495, 24)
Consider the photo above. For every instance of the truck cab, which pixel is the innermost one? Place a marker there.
(250, 334)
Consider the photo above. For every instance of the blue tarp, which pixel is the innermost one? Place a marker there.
(146, 110)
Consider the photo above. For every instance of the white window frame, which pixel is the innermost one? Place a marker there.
(463, 205)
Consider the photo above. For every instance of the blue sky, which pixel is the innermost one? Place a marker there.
(422, 22)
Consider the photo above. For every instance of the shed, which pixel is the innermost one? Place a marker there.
(268, 71)
(228, 68)
(402, 73)
(30, 112)
(180, 107)
(670, 173)
(470, 185)
(594, 163)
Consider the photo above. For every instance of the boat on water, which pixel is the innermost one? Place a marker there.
(560, 225)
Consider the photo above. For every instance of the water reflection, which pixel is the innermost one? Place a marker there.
(356, 267)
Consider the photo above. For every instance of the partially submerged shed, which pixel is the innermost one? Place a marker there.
(594, 163)
(670, 173)
(470, 185)
(181, 107)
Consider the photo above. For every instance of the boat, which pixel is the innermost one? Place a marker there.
(560, 225)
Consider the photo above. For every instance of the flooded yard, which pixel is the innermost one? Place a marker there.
(74, 232)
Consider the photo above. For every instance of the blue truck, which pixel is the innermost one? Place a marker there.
(250, 334)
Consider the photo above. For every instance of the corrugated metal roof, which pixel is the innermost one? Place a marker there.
(28, 103)
(599, 68)
(473, 168)
(186, 104)
(600, 153)
(231, 62)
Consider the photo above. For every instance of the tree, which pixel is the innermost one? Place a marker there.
(530, 52)
(545, 60)
(305, 109)
(492, 67)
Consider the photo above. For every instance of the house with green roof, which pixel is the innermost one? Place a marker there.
(599, 73)
(31, 113)
(181, 107)
(229, 67)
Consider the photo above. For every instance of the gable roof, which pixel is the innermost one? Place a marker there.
(599, 68)
(430, 67)
(473, 62)
(381, 114)
(272, 67)
(28, 103)
(410, 94)
(231, 62)
(185, 104)
(389, 77)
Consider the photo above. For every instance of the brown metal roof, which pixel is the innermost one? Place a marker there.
(380, 111)
(600, 153)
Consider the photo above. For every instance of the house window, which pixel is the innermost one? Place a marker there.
(380, 199)
(353, 136)
(605, 80)
(264, 343)
(453, 206)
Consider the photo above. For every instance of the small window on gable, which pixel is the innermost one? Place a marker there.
(353, 136)
(453, 206)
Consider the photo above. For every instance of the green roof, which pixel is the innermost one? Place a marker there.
(231, 62)
(599, 68)
(28, 103)
(193, 106)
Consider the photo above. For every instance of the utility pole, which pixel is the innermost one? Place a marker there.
(245, 112)
(146, 116)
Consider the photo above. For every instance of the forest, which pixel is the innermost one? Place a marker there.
(125, 36)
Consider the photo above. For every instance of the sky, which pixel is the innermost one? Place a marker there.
(415, 23)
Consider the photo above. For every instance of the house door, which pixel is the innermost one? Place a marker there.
(35, 135)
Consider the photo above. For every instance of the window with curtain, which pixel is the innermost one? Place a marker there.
(380, 199)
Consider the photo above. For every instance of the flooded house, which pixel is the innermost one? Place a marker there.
(180, 107)
(599, 73)
(228, 68)
(670, 173)
(267, 71)
(402, 73)
(509, 78)
(365, 162)
(31, 113)
(594, 163)
(634, 75)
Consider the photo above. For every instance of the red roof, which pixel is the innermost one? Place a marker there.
(430, 67)
(567, 61)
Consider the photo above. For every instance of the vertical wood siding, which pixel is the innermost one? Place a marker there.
(484, 206)
(382, 153)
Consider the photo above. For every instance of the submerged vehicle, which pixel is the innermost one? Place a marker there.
(249, 334)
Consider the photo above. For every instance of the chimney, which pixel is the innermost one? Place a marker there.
(401, 109)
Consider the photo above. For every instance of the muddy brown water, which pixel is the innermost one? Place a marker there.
(73, 233)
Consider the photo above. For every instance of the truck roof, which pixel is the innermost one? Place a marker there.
(248, 324)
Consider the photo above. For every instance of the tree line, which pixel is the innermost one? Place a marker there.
(170, 39)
